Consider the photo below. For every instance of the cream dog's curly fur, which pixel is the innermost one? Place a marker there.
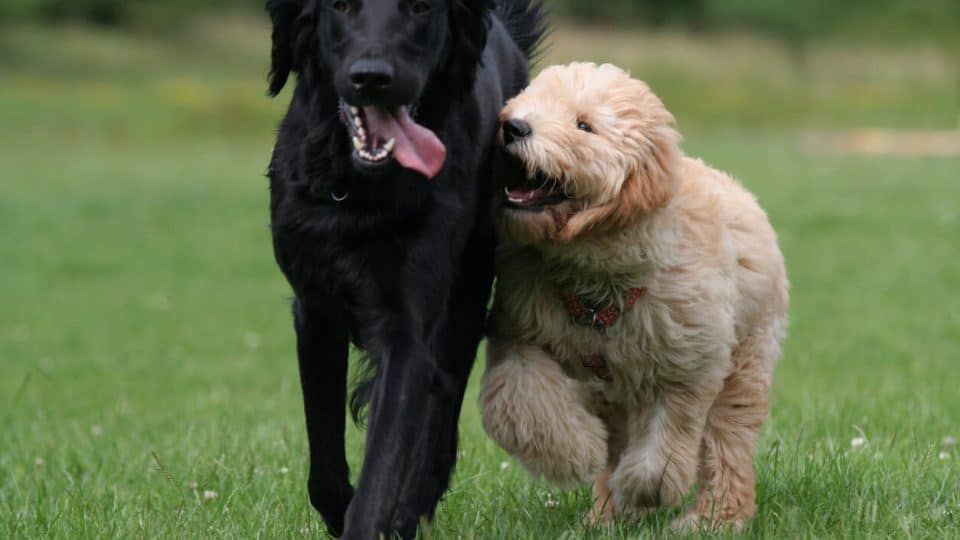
(690, 363)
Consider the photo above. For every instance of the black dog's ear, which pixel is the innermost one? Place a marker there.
(287, 17)
(469, 27)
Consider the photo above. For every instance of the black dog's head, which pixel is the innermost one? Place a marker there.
(380, 56)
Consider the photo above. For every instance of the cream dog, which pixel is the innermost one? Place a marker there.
(640, 306)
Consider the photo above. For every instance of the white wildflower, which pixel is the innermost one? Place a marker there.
(504, 465)
(284, 470)
(96, 430)
(949, 441)
(209, 495)
(857, 442)
(193, 485)
(19, 332)
(157, 302)
(252, 340)
(943, 455)
(39, 462)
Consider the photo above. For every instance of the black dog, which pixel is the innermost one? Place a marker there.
(381, 197)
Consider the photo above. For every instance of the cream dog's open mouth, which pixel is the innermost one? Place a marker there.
(535, 193)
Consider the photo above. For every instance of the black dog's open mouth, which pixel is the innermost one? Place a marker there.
(535, 193)
(382, 134)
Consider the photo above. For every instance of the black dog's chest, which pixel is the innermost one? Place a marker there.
(335, 263)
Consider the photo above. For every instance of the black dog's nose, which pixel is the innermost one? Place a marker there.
(371, 74)
(514, 130)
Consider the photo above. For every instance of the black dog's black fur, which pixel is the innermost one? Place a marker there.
(403, 266)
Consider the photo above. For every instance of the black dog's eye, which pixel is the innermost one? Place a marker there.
(341, 6)
(583, 126)
(420, 8)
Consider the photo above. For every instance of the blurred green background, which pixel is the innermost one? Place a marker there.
(772, 64)
(801, 20)
(148, 383)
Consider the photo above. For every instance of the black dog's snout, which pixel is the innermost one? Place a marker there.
(369, 74)
(514, 130)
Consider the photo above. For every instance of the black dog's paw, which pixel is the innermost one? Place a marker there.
(332, 505)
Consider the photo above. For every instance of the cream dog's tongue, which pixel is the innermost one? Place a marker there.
(520, 195)
(416, 148)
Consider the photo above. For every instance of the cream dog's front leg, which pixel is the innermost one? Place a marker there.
(660, 462)
(534, 411)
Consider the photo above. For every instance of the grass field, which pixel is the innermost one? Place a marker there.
(148, 386)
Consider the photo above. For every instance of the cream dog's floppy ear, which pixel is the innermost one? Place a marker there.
(649, 186)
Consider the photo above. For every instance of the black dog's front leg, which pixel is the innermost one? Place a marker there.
(457, 338)
(395, 440)
(322, 349)
(419, 386)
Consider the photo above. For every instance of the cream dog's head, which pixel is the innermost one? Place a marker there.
(596, 150)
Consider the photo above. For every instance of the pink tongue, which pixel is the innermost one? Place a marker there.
(523, 195)
(416, 148)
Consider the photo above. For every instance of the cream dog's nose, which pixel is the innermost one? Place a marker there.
(515, 130)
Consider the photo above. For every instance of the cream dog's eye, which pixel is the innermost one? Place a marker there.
(583, 126)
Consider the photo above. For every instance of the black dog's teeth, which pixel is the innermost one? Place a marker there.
(364, 143)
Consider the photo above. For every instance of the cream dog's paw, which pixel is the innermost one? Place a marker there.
(533, 410)
(693, 523)
(642, 483)
(604, 509)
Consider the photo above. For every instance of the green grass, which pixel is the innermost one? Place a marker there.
(146, 346)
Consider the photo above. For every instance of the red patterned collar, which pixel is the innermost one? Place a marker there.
(586, 315)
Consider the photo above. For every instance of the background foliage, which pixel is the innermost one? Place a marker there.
(793, 21)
